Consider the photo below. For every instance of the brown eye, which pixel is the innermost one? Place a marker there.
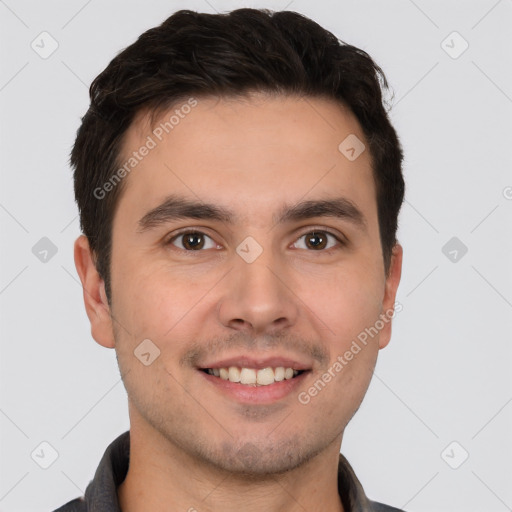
(317, 241)
(192, 241)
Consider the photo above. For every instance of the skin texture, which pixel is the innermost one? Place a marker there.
(192, 446)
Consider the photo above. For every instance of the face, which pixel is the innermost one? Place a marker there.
(246, 241)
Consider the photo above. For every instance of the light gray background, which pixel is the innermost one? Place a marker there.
(446, 374)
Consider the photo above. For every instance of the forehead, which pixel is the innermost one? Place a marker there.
(253, 154)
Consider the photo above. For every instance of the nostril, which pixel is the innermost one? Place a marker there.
(238, 322)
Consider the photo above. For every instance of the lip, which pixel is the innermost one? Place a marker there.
(258, 363)
(255, 394)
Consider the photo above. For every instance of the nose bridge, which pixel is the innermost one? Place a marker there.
(256, 295)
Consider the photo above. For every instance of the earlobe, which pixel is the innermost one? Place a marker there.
(95, 299)
(391, 287)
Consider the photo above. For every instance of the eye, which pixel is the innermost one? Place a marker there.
(318, 240)
(192, 241)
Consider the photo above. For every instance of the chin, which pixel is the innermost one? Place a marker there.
(260, 460)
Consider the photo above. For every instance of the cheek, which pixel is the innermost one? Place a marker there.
(160, 303)
(348, 301)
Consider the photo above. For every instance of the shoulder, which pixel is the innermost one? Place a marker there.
(380, 507)
(76, 505)
(101, 492)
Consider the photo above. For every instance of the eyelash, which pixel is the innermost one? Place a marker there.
(191, 231)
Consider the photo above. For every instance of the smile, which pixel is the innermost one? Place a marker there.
(254, 376)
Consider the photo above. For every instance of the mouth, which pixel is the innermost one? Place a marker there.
(256, 386)
(254, 377)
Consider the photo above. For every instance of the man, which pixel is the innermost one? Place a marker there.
(239, 185)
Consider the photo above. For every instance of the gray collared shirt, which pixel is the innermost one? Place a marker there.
(101, 493)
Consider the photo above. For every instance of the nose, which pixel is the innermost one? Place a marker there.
(258, 296)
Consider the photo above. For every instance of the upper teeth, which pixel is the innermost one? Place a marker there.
(262, 377)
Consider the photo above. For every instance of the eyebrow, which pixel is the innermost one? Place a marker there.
(177, 208)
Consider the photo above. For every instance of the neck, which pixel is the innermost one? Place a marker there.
(161, 477)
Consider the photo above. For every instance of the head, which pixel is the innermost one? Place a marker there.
(237, 124)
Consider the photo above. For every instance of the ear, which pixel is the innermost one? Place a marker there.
(95, 298)
(391, 287)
